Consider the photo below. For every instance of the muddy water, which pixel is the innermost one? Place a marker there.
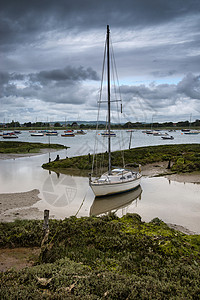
(66, 195)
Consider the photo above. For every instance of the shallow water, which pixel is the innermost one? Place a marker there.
(66, 195)
(84, 144)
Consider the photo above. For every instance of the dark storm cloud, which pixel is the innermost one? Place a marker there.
(22, 21)
(4, 78)
(68, 73)
(50, 52)
(53, 86)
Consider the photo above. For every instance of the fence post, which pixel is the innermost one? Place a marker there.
(44, 243)
(46, 222)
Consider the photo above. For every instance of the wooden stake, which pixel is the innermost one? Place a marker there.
(46, 221)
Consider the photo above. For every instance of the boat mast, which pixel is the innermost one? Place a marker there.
(108, 79)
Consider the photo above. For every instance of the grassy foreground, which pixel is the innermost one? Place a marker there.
(183, 157)
(25, 147)
(103, 258)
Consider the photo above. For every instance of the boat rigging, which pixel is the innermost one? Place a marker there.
(115, 180)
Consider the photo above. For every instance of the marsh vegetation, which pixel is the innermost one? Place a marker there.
(183, 158)
(9, 147)
(103, 258)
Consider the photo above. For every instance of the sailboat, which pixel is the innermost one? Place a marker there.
(117, 180)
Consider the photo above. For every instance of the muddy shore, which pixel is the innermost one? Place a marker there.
(160, 168)
(19, 206)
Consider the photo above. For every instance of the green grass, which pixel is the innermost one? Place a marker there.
(104, 258)
(24, 147)
(184, 157)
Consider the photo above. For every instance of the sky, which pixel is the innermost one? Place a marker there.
(51, 55)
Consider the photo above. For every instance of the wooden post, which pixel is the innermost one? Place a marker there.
(46, 222)
(169, 164)
(130, 140)
(44, 243)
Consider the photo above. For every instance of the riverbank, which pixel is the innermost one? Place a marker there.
(161, 169)
(4, 156)
(13, 149)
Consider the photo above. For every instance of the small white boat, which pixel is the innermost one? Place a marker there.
(17, 132)
(51, 133)
(192, 132)
(117, 180)
(148, 131)
(79, 132)
(167, 137)
(160, 134)
(68, 134)
(10, 136)
(185, 130)
(37, 134)
(106, 133)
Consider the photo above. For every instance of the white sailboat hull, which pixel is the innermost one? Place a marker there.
(103, 189)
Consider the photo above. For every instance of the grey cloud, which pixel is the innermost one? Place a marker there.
(59, 86)
(190, 86)
(164, 73)
(163, 95)
(4, 77)
(16, 76)
(46, 47)
(161, 91)
(27, 20)
(68, 73)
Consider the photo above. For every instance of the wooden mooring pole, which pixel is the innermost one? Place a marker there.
(44, 243)
(46, 222)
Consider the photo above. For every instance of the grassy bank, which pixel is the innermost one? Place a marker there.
(103, 258)
(24, 147)
(183, 158)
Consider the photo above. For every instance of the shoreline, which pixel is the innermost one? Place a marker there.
(160, 169)
(5, 156)
(149, 170)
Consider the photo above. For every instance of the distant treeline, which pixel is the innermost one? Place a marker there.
(128, 125)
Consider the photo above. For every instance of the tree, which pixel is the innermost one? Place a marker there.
(75, 124)
(57, 124)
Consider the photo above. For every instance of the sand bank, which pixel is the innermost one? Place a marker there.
(18, 206)
(160, 168)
